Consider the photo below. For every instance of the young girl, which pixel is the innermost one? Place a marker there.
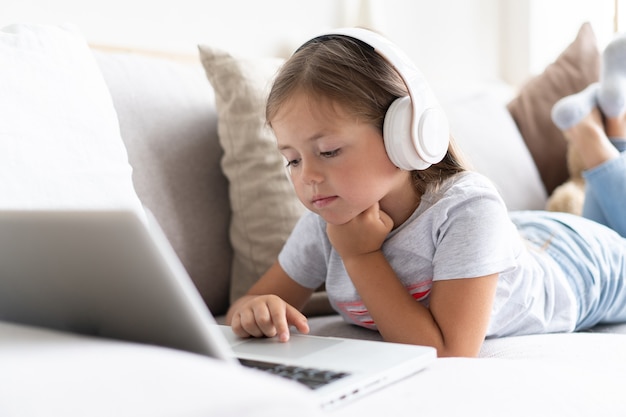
(429, 257)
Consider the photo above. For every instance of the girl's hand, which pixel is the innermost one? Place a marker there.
(266, 315)
(362, 235)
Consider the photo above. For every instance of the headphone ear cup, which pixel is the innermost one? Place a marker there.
(397, 136)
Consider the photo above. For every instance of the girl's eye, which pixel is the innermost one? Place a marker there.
(330, 154)
(290, 163)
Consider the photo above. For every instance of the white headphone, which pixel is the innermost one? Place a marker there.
(415, 129)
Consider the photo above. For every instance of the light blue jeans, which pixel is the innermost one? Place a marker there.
(605, 192)
(590, 249)
(603, 295)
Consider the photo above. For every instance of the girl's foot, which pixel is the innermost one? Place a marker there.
(612, 92)
(570, 110)
(590, 141)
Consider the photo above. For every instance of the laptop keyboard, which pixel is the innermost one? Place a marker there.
(312, 378)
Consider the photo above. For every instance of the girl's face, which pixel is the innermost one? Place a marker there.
(338, 165)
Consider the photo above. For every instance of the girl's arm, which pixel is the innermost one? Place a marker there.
(270, 306)
(456, 321)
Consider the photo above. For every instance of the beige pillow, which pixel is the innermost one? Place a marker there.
(573, 70)
(263, 203)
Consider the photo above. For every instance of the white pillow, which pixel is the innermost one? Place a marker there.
(489, 138)
(60, 144)
(50, 373)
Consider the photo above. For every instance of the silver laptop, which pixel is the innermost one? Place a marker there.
(113, 274)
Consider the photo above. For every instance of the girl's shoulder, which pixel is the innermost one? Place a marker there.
(467, 197)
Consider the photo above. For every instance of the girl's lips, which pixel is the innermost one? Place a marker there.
(321, 202)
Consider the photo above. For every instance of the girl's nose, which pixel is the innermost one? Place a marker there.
(310, 173)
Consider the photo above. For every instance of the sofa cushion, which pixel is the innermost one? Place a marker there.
(50, 373)
(60, 144)
(263, 203)
(606, 342)
(575, 347)
(493, 145)
(169, 125)
(573, 70)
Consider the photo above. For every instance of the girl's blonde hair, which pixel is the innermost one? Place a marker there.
(351, 74)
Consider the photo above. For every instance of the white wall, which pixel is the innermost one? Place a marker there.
(536, 31)
(452, 41)
(447, 38)
(246, 26)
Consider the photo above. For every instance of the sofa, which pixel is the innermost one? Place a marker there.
(191, 146)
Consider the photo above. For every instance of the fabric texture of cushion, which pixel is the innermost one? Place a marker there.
(75, 376)
(489, 138)
(168, 122)
(573, 70)
(263, 203)
(60, 144)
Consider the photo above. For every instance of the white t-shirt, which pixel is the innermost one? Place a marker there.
(461, 230)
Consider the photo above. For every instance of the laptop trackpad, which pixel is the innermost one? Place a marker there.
(296, 347)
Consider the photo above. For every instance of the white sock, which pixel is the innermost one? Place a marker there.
(570, 110)
(612, 92)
